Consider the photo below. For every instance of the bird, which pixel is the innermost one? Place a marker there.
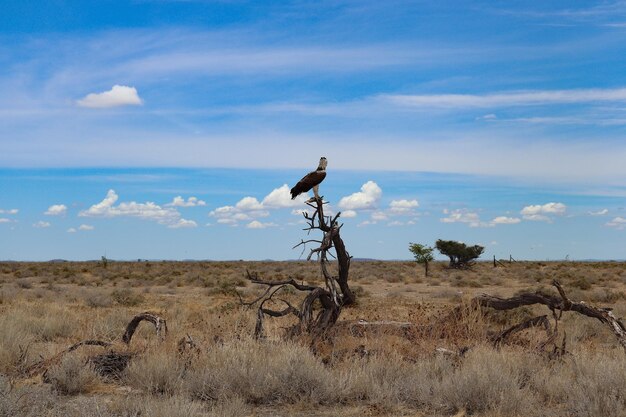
(311, 180)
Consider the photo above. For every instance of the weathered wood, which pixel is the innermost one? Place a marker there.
(334, 295)
(160, 325)
(559, 303)
(526, 324)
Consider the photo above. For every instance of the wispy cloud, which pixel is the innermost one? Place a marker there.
(41, 225)
(507, 99)
(9, 211)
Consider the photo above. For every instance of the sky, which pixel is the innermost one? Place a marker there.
(160, 129)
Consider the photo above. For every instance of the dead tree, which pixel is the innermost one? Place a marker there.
(557, 305)
(322, 305)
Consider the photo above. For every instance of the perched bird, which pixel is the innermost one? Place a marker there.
(311, 180)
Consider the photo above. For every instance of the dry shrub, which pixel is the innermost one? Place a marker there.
(391, 382)
(489, 380)
(260, 373)
(15, 341)
(127, 297)
(98, 299)
(157, 371)
(24, 401)
(73, 375)
(586, 384)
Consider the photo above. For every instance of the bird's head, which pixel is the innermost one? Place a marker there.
(323, 163)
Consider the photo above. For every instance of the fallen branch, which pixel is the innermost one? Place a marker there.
(559, 303)
(160, 325)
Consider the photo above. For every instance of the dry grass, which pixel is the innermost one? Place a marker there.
(45, 307)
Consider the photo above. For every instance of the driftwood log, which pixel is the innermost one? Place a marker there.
(331, 298)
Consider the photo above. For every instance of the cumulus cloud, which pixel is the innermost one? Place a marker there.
(56, 210)
(281, 198)
(599, 212)
(71, 230)
(250, 208)
(403, 206)
(249, 204)
(618, 223)
(348, 214)
(365, 199)
(41, 225)
(506, 220)
(10, 211)
(540, 212)
(379, 216)
(395, 223)
(462, 216)
(85, 227)
(4, 220)
(179, 201)
(147, 211)
(255, 224)
(118, 95)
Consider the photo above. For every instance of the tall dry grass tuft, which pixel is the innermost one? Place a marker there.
(15, 343)
(261, 373)
(488, 380)
(73, 375)
(157, 371)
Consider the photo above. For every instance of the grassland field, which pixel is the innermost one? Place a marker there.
(46, 307)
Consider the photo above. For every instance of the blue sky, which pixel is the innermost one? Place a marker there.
(500, 123)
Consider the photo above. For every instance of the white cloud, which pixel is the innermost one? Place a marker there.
(365, 199)
(179, 201)
(255, 224)
(489, 116)
(281, 198)
(348, 214)
(249, 204)
(395, 223)
(148, 211)
(10, 211)
(506, 220)
(379, 216)
(71, 230)
(41, 225)
(462, 216)
(4, 220)
(119, 95)
(366, 223)
(85, 227)
(618, 223)
(403, 206)
(540, 212)
(599, 212)
(182, 223)
(56, 210)
(505, 99)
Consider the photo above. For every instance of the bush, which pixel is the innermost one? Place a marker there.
(72, 376)
(127, 297)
